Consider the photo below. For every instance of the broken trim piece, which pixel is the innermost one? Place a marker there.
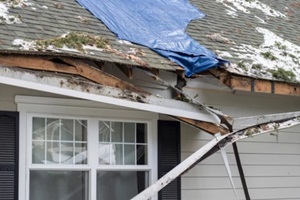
(216, 143)
(250, 84)
(205, 126)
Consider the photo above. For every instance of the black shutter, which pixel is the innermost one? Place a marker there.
(9, 123)
(169, 157)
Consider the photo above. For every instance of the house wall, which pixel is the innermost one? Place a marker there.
(271, 165)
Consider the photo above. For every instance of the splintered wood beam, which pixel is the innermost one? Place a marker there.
(100, 77)
(68, 66)
(37, 63)
(205, 126)
(249, 84)
(126, 70)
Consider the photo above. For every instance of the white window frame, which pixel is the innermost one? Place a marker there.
(29, 107)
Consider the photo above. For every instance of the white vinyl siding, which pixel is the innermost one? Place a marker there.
(271, 167)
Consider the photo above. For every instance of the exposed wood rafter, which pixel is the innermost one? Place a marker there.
(126, 70)
(72, 66)
(205, 126)
(249, 84)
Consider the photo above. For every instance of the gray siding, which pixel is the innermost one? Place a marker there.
(271, 165)
(7, 96)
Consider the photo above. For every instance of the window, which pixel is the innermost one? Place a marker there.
(88, 157)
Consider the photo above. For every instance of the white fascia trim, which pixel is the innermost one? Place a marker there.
(104, 99)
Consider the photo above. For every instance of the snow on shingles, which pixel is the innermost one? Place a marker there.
(5, 16)
(13, 19)
(244, 5)
(223, 54)
(275, 53)
(24, 45)
(32, 46)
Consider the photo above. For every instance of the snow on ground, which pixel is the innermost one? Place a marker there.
(274, 54)
(243, 5)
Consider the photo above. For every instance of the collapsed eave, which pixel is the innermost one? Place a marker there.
(76, 78)
(251, 84)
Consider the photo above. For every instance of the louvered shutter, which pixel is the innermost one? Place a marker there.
(169, 157)
(8, 155)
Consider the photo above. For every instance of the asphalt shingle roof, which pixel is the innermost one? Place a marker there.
(46, 19)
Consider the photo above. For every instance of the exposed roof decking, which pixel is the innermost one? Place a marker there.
(45, 19)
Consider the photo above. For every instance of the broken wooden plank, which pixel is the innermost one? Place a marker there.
(101, 77)
(205, 126)
(249, 84)
(72, 66)
(36, 63)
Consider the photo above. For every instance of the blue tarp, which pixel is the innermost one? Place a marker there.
(159, 25)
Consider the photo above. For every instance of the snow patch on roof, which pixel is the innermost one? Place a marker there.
(24, 45)
(275, 54)
(223, 54)
(244, 5)
(69, 42)
(5, 17)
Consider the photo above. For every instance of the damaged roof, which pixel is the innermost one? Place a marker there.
(259, 38)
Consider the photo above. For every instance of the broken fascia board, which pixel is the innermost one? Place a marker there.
(216, 143)
(242, 122)
(87, 90)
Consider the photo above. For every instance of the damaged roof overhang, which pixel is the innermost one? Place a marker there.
(76, 78)
(251, 84)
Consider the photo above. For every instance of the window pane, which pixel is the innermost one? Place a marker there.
(55, 185)
(80, 130)
(104, 131)
(117, 131)
(52, 153)
(80, 153)
(104, 153)
(141, 133)
(53, 126)
(117, 154)
(119, 143)
(129, 154)
(129, 132)
(38, 152)
(141, 154)
(67, 129)
(38, 128)
(120, 185)
(67, 153)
